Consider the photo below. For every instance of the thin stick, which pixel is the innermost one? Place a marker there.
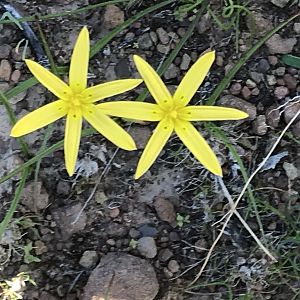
(242, 193)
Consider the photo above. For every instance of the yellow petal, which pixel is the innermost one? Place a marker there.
(154, 83)
(132, 110)
(193, 78)
(49, 80)
(39, 118)
(80, 62)
(154, 146)
(198, 146)
(109, 128)
(72, 139)
(210, 113)
(109, 89)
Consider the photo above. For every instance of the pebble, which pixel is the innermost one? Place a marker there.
(114, 212)
(89, 259)
(174, 236)
(5, 70)
(185, 62)
(250, 84)
(255, 92)
(291, 171)
(5, 51)
(165, 210)
(271, 80)
(280, 3)
(145, 41)
(201, 245)
(257, 77)
(134, 234)
(165, 254)
(4, 86)
(220, 61)
(113, 16)
(162, 36)
(154, 37)
(40, 247)
(235, 102)
(147, 247)
(246, 93)
(297, 27)
(173, 266)
(111, 242)
(163, 49)
(278, 45)
(148, 230)
(259, 125)
(273, 60)
(296, 129)
(290, 110)
(63, 188)
(172, 72)
(235, 88)
(273, 116)
(258, 23)
(133, 278)
(15, 76)
(281, 92)
(263, 66)
(116, 230)
(290, 81)
(280, 71)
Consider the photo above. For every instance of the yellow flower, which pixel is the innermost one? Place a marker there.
(174, 114)
(76, 101)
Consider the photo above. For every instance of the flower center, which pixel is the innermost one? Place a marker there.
(173, 114)
(76, 101)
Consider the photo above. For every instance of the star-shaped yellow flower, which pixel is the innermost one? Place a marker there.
(174, 114)
(76, 101)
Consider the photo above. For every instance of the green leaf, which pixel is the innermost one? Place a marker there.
(29, 258)
(291, 60)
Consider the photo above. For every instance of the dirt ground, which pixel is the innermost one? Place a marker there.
(147, 238)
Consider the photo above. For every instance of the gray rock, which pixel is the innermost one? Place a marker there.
(263, 66)
(145, 41)
(257, 77)
(5, 51)
(162, 35)
(164, 49)
(235, 102)
(291, 171)
(88, 259)
(121, 276)
(280, 71)
(154, 37)
(259, 125)
(271, 80)
(165, 254)
(258, 23)
(297, 27)
(290, 111)
(185, 62)
(165, 210)
(122, 68)
(281, 92)
(290, 81)
(273, 116)
(147, 247)
(5, 70)
(172, 72)
(4, 86)
(277, 44)
(280, 3)
(173, 266)
(296, 129)
(110, 73)
(116, 230)
(113, 16)
(235, 88)
(250, 84)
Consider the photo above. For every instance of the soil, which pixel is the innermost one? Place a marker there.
(166, 220)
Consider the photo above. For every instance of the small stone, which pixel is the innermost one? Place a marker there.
(280, 81)
(272, 226)
(145, 41)
(257, 77)
(154, 37)
(263, 66)
(110, 73)
(280, 71)
(113, 16)
(165, 210)
(63, 188)
(147, 247)
(174, 236)
(148, 230)
(124, 276)
(4, 86)
(172, 72)
(220, 61)
(185, 62)
(15, 76)
(273, 116)
(273, 60)
(297, 27)
(281, 92)
(162, 35)
(271, 80)
(291, 171)
(163, 49)
(290, 111)
(296, 129)
(116, 230)
(134, 234)
(259, 125)
(17, 98)
(250, 84)
(235, 102)
(101, 197)
(35, 196)
(40, 247)
(5, 70)
(5, 51)
(235, 88)
(277, 45)
(114, 212)
(280, 3)
(255, 92)
(258, 23)
(88, 259)
(168, 274)
(246, 92)
(165, 254)
(111, 242)
(173, 266)
(204, 23)
(201, 246)
(290, 81)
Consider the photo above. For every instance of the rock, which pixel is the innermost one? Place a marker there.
(250, 84)
(291, 171)
(255, 92)
(147, 247)
(235, 102)
(110, 73)
(263, 66)
(165, 210)
(257, 77)
(271, 80)
(116, 230)
(15, 76)
(165, 254)
(114, 212)
(297, 28)
(273, 116)
(134, 234)
(63, 188)
(88, 259)
(172, 72)
(258, 23)
(141, 135)
(145, 41)
(295, 129)
(273, 60)
(277, 45)
(246, 93)
(163, 49)
(280, 3)
(290, 81)
(121, 276)
(259, 125)
(40, 247)
(281, 92)
(201, 246)
(185, 62)
(4, 86)
(19, 97)
(148, 230)
(204, 23)
(122, 68)
(5, 70)
(113, 16)
(65, 219)
(219, 61)
(235, 88)
(5, 51)
(173, 266)
(154, 37)
(162, 36)
(290, 110)
(35, 196)
(280, 71)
